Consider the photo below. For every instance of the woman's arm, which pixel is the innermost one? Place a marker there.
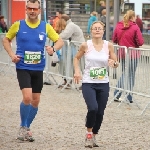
(112, 56)
(80, 53)
(138, 37)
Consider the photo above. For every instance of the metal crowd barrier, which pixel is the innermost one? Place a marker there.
(117, 76)
(65, 66)
(131, 77)
(139, 69)
(5, 62)
(146, 37)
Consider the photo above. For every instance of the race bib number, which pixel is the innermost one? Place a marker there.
(98, 73)
(32, 57)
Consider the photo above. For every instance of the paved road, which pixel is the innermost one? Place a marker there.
(59, 124)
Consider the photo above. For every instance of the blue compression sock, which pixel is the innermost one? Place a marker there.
(32, 114)
(24, 112)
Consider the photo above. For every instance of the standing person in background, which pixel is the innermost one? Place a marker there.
(99, 54)
(102, 6)
(57, 17)
(60, 26)
(93, 18)
(3, 26)
(128, 34)
(72, 32)
(103, 20)
(139, 23)
(30, 61)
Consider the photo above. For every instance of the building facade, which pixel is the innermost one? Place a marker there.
(141, 8)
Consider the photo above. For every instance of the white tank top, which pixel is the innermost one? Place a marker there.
(96, 63)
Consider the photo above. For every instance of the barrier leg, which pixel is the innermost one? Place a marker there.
(143, 111)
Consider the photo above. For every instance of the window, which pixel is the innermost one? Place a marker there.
(146, 12)
(127, 6)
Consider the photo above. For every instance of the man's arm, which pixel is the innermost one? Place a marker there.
(7, 46)
(58, 44)
(52, 35)
(7, 41)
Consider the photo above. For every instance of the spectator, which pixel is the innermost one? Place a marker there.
(72, 32)
(60, 26)
(128, 34)
(3, 25)
(102, 6)
(103, 20)
(93, 18)
(57, 17)
(139, 23)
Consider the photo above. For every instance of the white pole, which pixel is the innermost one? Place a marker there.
(95, 5)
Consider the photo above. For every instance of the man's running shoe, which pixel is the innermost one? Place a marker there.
(89, 140)
(25, 134)
(28, 135)
(95, 142)
(21, 134)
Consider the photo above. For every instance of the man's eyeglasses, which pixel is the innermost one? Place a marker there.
(32, 9)
(99, 29)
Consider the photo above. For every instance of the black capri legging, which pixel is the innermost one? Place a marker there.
(96, 97)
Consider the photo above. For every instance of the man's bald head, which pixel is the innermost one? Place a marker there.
(65, 17)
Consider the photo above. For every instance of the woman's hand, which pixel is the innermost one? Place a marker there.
(77, 77)
(112, 63)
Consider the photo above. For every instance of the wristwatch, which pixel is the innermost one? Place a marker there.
(54, 49)
(115, 63)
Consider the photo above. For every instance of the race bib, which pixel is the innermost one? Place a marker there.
(98, 73)
(32, 57)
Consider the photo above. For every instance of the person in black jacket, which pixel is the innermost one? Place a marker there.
(3, 25)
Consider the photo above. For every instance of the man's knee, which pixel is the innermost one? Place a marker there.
(27, 99)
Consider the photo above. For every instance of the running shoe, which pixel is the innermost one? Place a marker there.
(89, 140)
(28, 135)
(21, 134)
(25, 134)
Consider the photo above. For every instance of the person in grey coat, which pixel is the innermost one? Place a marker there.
(73, 33)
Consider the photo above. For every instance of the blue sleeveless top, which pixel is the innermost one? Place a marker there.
(30, 46)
